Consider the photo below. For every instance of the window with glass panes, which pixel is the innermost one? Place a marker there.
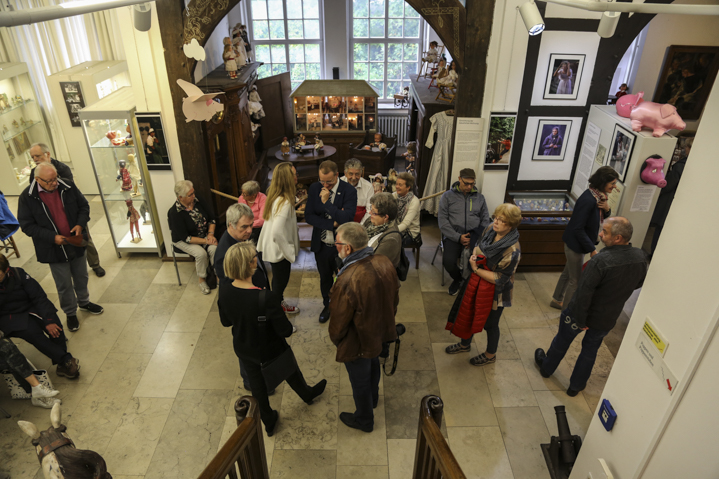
(286, 36)
(386, 38)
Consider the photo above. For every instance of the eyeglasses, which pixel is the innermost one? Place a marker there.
(50, 182)
(498, 219)
(467, 183)
(372, 213)
(38, 156)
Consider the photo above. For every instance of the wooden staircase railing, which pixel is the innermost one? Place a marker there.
(243, 455)
(433, 459)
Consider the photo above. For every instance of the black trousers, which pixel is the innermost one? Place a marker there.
(452, 252)
(492, 328)
(280, 277)
(326, 259)
(35, 334)
(259, 388)
(364, 376)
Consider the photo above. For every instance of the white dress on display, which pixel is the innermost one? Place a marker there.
(565, 83)
(443, 124)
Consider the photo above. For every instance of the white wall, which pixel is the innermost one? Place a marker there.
(337, 37)
(680, 297)
(666, 30)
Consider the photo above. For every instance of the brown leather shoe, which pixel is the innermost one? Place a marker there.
(70, 369)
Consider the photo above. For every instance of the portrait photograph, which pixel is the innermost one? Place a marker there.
(551, 142)
(563, 76)
(620, 151)
(75, 107)
(499, 142)
(155, 150)
(70, 87)
(687, 78)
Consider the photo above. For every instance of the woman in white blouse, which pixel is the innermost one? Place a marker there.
(279, 240)
(408, 210)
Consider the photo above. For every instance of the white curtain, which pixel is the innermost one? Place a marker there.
(54, 46)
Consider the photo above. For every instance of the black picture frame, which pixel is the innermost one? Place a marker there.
(74, 100)
(157, 157)
(619, 159)
(501, 130)
(545, 128)
(553, 83)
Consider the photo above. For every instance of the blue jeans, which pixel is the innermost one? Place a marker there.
(364, 376)
(568, 330)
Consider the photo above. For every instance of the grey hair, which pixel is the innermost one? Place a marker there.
(43, 147)
(237, 211)
(354, 235)
(251, 187)
(386, 204)
(353, 164)
(621, 226)
(183, 187)
(45, 166)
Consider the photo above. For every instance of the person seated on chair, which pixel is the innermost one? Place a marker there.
(384, 237)
(26, 313)
(11, 359)
(407, 211)
(354, 171)
(377, 144)
(463, 215)
(192, 224)
(255, 199)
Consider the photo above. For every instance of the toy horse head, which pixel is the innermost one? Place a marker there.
(57, 454)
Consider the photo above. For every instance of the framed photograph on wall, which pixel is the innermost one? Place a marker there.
(152, 140)
(563, 76)
(550, 144)
(620, 151)
(74, 101)
(499, 142)
(687, 78)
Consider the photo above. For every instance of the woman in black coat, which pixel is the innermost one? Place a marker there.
(582, 232)
(258, 342)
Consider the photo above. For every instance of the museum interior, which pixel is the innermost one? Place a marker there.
(505, 123)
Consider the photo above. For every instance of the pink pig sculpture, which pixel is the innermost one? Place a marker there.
(655, 116)
(653, 171)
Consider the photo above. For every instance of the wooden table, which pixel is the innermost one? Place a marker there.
(311, 156)
(307, 166)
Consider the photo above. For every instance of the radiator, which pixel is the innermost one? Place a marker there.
(394, 125)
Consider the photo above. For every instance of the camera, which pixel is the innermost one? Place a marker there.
(401, 329)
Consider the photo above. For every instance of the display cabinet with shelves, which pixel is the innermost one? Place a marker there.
(21, 125)
(121, 172)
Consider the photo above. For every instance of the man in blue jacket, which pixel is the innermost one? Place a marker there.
(463, 215)
(54, 213)
(609, 279)
(330, 203)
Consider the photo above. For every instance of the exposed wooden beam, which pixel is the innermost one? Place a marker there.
(448, 19)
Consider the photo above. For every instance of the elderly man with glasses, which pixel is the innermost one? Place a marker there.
(462, 216)
(54, 213)
(40, 153)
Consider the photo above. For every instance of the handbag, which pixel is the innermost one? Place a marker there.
(17, 391)
(276, 370)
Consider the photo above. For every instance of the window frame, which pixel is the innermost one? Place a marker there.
(288, 41)
(420, 41)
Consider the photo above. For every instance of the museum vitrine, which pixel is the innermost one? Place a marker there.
(120, 167)
(22, 125)
(334, 105)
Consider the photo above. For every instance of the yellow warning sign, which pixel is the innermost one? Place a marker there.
(654, 336)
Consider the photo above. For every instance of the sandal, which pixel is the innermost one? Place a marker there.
(457, 348)
(482, 360)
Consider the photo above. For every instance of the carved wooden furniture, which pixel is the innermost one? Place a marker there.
(375, 161)
(307, 165)
(433, 457)
(228, 136)
(422, 106)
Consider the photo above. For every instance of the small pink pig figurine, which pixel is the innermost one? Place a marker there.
(653, 171)
(655, 116)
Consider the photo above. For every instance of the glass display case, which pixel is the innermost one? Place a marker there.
(120, 168)
(543, 207)
(334, 105)
(22, 125)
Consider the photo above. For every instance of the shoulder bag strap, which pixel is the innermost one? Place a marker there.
(262, 317)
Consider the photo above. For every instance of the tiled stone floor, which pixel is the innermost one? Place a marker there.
(159, 378)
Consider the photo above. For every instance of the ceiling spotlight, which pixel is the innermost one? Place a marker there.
(608, 24)
(532, 18)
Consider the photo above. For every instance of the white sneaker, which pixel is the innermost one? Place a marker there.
(204, 288)
(294, 329)
(290, 309)
(43, 391)
(47, 403)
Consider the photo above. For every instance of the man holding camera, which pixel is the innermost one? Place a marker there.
(362, 318)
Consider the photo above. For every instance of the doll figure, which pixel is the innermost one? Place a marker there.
(134, 172)
(410, 156)
(391, 181)
(15, 124)
(134, 217)
(243, 34)
(5, 130)
(239, 48)
(124, 175)
(23, 122)
(228, 56)
(285, 147)
(377, 144)
(432, 53)
(378, 183)
(128, 139)
(301, 141)
(319, 144)
(143, 213)
(450, 80)
(441, 70)
(254, 96)
(623, 90)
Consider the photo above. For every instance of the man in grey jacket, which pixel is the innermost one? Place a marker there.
(463, 215)
(608, 280)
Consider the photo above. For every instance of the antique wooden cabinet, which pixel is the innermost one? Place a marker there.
(228, 136)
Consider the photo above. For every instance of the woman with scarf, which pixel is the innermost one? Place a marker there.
(582, 232)
(384, 236)
(495, 259)
(407, 210)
